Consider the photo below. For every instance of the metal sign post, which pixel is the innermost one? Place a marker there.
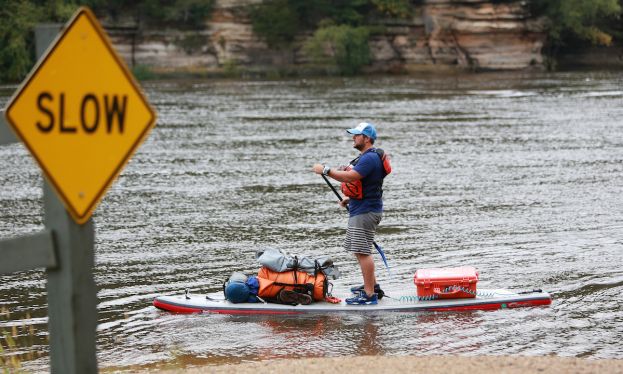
(81, 115)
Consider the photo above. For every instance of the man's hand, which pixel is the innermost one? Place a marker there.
(344, 202)
(317, 168)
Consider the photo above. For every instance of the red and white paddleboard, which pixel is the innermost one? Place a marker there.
(405, 302)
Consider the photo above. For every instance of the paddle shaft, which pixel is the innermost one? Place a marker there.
(339, 197)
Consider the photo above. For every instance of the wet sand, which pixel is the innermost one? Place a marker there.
(417, 364)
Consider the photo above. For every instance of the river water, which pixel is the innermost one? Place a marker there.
(519, 175)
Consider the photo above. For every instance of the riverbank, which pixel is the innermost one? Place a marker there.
(417, 364)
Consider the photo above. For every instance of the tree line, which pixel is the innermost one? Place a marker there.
(344, 25)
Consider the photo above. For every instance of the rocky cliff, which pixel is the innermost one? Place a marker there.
(470, 34)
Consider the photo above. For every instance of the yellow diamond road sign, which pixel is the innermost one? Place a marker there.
(81, 114)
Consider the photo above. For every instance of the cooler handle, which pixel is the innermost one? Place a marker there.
(454, 290)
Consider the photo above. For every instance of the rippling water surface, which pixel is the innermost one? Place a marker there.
(519, 175)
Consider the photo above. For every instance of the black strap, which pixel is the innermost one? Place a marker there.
(224, 286)
(291, 284)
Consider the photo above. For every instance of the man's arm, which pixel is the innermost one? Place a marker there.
(339, 175)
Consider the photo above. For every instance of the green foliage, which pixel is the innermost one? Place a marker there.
(20, 16)
(587, 20)
(16, 38)
(279, 21)
(182, 13)
(350, 12)
(8, 363)
(231, 69)
(276, 22)
(343, 46)
(17, 32)
(397, 8)
(185, 14)
(12, 344)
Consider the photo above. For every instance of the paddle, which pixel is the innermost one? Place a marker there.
(378, 247)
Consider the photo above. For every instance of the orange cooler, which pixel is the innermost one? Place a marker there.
(448, 283)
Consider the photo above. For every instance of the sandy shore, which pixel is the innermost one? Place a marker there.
(417, 364)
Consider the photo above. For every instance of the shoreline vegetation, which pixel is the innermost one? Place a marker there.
(402, 364)
(283, 38)
(145, 73)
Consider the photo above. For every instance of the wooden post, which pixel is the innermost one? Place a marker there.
(72, 295)
(27, 252)
(6, 135)
(45, 33)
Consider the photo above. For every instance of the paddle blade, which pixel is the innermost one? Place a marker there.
(380, 250)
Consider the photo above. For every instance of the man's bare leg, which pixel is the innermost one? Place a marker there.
(366, 262)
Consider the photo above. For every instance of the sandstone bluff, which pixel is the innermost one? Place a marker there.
(468, 34)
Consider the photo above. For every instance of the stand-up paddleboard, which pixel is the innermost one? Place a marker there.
(405, 302)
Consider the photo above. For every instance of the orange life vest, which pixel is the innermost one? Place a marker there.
(271, 282)
(355, 189)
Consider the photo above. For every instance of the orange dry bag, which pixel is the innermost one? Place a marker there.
(271, 282)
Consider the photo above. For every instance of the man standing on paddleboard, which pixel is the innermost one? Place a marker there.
(362, 183)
